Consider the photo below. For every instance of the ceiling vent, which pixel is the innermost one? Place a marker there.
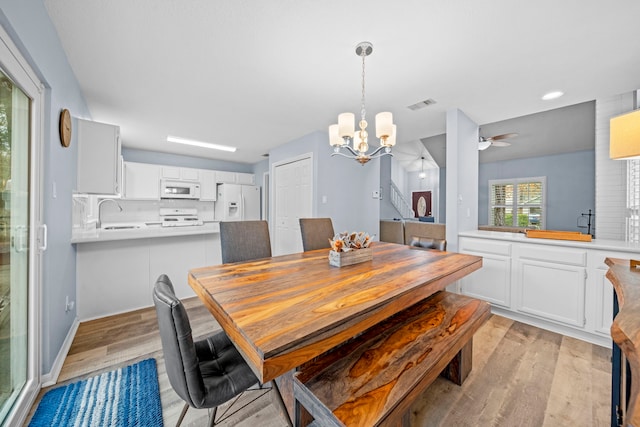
(421, 104)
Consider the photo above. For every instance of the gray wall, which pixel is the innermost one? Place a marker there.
(143, 156)
(346, 184)
(28, 23)
(570, 185)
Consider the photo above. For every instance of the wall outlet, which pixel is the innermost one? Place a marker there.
(375, 194)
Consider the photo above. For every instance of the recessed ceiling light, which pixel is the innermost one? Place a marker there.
(552, 95)
(200, 144)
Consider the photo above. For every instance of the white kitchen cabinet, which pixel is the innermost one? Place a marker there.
(552, 291)
(208, 185)
(141, 181)
(245, 178)
(493, 281)
(224, 177)
(174, 172)
(118, 275)
(552, 284)
(99, 161)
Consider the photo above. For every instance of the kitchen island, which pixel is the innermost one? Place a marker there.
(558, 285)
(116, 269)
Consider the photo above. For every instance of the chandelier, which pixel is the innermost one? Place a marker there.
(343, 134)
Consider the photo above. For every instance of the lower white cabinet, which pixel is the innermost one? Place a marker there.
(555, 286)
(118, 276)
(551, 291)
(493, 281)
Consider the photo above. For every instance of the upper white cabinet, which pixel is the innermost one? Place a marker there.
(98, 158)
(245, 178)
(172, 172)
(208, 185)
(141, 181)
(224, 177)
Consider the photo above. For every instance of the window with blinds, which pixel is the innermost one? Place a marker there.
(518, 202)
(633, 200)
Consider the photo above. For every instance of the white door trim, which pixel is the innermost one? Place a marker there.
(273, 185)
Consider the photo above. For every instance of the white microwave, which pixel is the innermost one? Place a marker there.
(175, 189)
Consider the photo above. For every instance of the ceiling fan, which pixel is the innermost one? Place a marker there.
(495, 141)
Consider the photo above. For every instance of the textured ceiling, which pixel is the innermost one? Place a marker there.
(257, 74)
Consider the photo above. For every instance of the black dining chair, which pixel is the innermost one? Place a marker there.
(205, 373)
(316, 233)
(244, 240)
(428, 243)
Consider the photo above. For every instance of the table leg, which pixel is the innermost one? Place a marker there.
(460, 366)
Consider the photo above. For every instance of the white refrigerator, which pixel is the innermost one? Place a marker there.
(237, 202)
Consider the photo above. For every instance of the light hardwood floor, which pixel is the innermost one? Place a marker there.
(522, 375)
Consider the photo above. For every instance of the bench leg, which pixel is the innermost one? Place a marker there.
(458, 369)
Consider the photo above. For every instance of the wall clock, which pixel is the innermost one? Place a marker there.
(65, 128)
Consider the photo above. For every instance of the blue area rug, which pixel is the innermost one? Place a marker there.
(128, 396)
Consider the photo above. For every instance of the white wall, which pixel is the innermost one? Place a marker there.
(462, 176)
(611, 175)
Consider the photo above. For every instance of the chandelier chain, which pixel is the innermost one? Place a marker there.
(362, 110)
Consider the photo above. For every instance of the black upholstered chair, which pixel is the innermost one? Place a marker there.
(428, 243)
(316, 233)
(204, 373)
(244, 240)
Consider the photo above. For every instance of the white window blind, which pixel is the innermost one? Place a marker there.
(518, 202)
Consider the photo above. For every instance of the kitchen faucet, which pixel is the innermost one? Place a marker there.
(99, 223)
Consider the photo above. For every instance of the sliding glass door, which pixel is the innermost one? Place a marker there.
(14, 240)
(22, 234)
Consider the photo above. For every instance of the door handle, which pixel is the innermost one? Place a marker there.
(45, 240)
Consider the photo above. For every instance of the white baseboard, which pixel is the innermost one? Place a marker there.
(603, 341)
(50, 378)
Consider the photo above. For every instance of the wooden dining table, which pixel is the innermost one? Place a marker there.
(284, 311)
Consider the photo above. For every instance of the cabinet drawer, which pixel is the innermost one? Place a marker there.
(482, 246)
(553, 254)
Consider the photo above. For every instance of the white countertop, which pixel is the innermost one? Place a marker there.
(599, 244)
(150, 231)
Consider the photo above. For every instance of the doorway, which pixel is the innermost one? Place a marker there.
(293, 191)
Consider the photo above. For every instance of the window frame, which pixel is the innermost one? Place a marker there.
(514, 205)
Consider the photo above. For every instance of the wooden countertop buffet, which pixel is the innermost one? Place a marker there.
(625, 329)
(286, 311)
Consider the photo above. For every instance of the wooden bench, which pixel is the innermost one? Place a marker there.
(374, 378)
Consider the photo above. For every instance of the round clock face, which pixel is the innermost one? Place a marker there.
(65, 128)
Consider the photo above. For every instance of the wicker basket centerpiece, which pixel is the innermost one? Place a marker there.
(350, 248)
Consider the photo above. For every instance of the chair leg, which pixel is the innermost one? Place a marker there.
(212, 419)
(182, 414)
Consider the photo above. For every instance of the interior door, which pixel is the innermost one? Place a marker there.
(293, 200)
